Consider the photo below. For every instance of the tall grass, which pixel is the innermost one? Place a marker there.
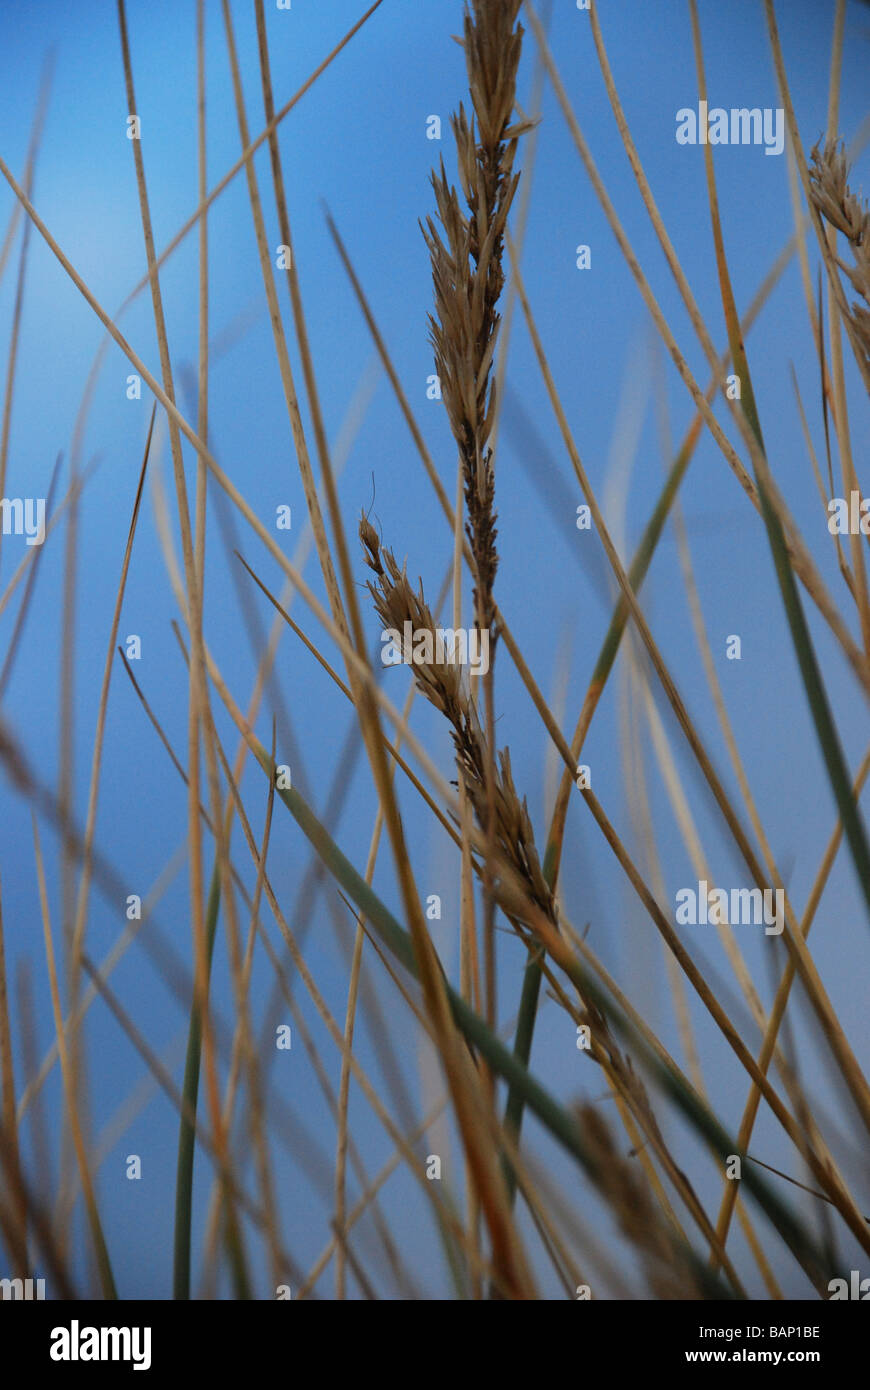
(633, 1189)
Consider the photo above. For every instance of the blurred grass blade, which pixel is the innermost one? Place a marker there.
(187, 1130)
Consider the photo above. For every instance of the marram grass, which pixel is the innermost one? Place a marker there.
(366, 1098)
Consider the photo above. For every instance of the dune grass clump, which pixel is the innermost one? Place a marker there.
(648, 1174)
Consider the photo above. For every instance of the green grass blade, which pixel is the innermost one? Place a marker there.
(187, 1131)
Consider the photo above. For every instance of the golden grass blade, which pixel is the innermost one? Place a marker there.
(101, 1251)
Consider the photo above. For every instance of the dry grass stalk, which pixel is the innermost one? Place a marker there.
(631, 1201)
(849, 214)
(443, 685)
(467, 270)
(468, 277)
